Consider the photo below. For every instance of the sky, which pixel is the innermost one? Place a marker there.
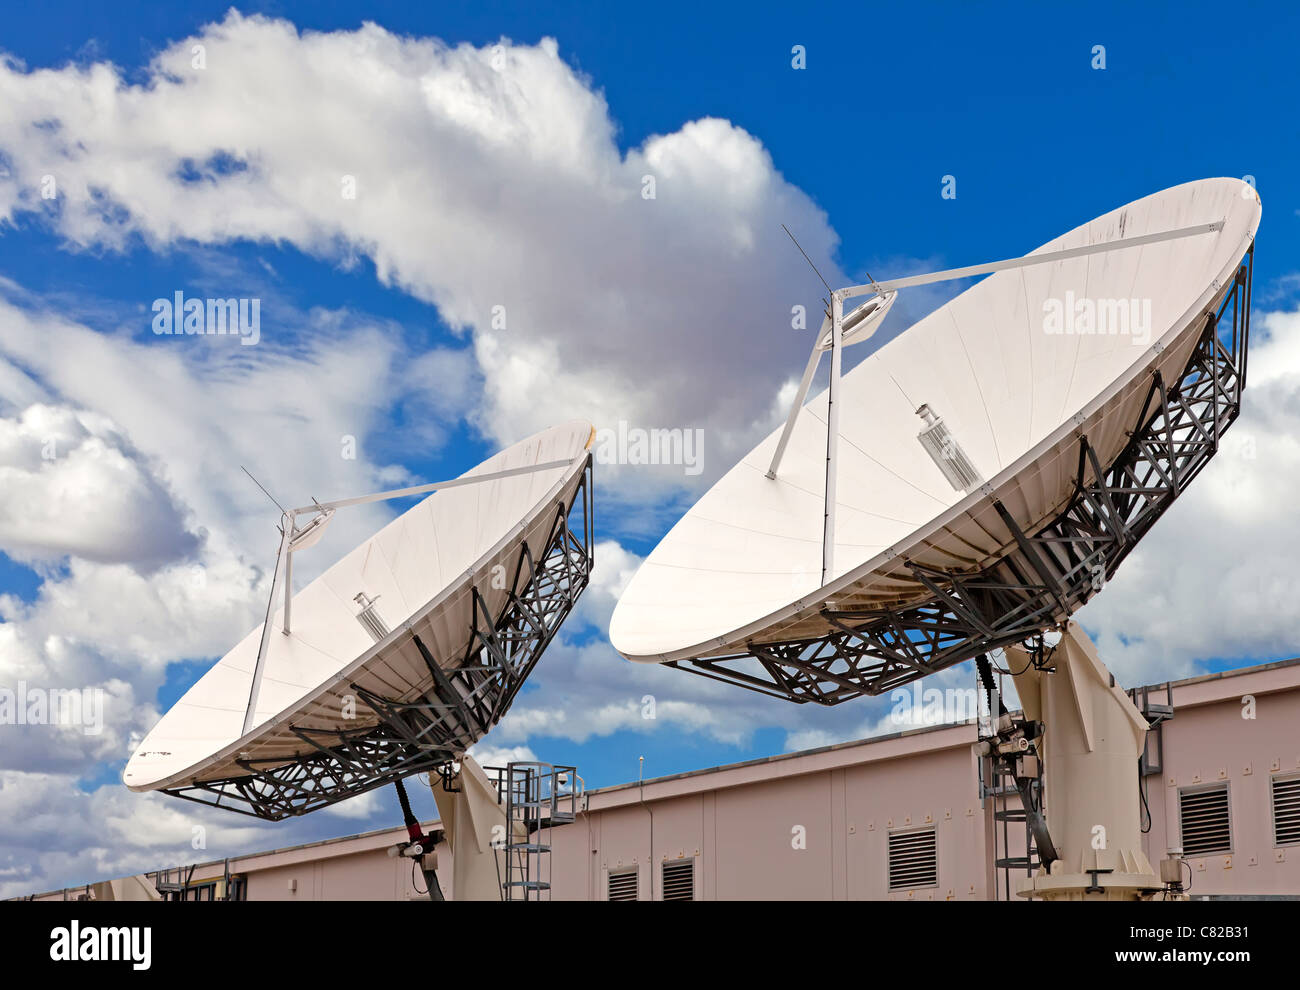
(392, 182)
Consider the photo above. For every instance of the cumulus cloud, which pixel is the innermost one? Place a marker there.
(487, 181)
(70, 484)
(500, 756)
(613, 569)
(120, 461)
(196, 411)
(109, 630)
(1215, 578)
(113, 832)
(584, 691)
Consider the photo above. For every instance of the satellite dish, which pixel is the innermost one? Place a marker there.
(860, 324)
(975, 480)
(400, 656)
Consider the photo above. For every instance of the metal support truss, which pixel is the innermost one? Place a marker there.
(404, 736)
(1044, 577)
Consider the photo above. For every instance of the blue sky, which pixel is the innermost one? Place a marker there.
(1005, 100)
(852, 151)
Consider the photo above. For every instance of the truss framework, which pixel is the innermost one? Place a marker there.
(1046, 576)
(404, 737)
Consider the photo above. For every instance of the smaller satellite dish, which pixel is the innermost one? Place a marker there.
(400, 655)
(860, 324)
(310, 534)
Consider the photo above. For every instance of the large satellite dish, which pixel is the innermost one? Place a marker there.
(982, 475)
(398, 657)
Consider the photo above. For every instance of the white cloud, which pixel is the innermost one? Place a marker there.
(1215, 578)
(585, 691)
(52, 834)
(486, 177)
(196, 410)
(153, 545)
(500, 756)
(361, 807)
(613, 569)
(70, 485)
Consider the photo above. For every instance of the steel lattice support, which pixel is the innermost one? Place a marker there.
(1046, 576)
(460, 705)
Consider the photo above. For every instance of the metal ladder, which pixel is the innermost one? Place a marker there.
(173, 883)
(537, 797)
(1000, 789)
(997, 786)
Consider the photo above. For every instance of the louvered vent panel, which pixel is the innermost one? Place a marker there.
(949, 457)
(913, 860)
(1286, 811)
(679, 881)
(622, 886)
(1205, 822)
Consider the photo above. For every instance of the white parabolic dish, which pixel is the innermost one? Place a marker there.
(422, 568)
(744, 564)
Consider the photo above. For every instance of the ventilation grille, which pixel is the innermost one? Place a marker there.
(623, 886)
(913, 860)
(946, 453)
(1205, 823)
(1286, 811)
(679, 881)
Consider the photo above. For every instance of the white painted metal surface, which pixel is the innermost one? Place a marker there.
(856, 327)
(745, 562)
(421, 568)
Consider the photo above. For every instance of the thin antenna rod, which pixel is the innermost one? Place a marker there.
(807, 259)
(264, 491)
(833, 404)
(282, 558)
(796, 407)
(470, 479)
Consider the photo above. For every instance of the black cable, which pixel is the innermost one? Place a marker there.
(1017, 673)
(985, 670)
(407, 815)
(1142, 793)
(496, 860)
